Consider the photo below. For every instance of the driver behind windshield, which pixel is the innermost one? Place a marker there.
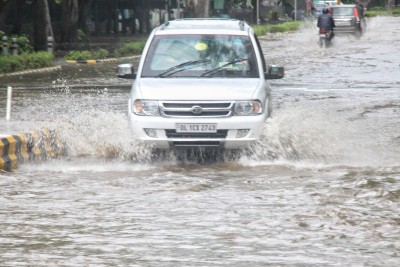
(193, 55)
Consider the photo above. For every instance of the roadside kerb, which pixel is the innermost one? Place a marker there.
(54, 68)
(95, 61)
(92, 61)
(34, 146)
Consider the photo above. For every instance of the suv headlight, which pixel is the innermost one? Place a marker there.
(145, 107)
(248, 108)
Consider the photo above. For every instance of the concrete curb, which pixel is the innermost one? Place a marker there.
(92, 61)
(68, 61)
(34, 146)
(95, 61)
(31, 71)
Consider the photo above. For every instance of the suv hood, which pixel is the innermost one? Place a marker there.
(197, 89)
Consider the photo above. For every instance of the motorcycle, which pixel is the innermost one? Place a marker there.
(325, 38)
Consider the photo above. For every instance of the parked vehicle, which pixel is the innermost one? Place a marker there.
(201, 83)
(349, 19)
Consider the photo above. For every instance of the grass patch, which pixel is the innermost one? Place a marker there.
(382, 12)
(289, 26)
(25, 61)
(130, 48)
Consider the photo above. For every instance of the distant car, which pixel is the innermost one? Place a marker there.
(349, 19)
(320, 5)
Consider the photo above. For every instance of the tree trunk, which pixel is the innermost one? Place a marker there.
(41, 24)
(201, 8)
(84, 16)
(5, 8)
(69, 20)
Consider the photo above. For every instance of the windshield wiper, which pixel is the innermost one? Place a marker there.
(183, 66)
(218, 69)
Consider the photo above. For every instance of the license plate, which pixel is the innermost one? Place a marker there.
(342, 23)
(196, 127)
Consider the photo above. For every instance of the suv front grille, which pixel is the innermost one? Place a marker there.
(204, 109)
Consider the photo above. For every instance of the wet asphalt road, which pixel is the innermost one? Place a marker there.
(322, 187)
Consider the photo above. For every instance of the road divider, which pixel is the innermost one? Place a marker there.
(54, 68)
(31, 147)
(95, 61)
(92, 61)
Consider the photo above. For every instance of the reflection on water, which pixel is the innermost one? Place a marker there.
(321, 188)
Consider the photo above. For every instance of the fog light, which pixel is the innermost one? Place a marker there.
(151, 132)
(242, 133)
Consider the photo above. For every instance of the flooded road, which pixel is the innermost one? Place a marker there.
(322, 187)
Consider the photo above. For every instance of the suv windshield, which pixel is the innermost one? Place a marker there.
(197, 55)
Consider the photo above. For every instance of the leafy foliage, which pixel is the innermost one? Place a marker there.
(78, 55)
(81, 35)
(100, 54)
(23, 42)
(87, 55)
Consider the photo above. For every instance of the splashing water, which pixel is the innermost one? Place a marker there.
(313, 127)
(325, 137)
(316, 118)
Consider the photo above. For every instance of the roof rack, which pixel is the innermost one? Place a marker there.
(162, 27)
(165, 26)
(241, 25)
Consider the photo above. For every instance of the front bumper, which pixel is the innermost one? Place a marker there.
(347, 30)
(225, 138)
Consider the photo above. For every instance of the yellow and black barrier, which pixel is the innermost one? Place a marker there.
(83, 61)
(91, 61)
(34, 146)
(95, 61)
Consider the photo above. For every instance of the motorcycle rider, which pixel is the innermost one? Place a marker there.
(326, 23)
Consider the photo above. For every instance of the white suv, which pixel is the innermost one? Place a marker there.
(200, 83)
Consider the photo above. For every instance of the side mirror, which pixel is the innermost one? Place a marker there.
(275, 72)
(126, 71)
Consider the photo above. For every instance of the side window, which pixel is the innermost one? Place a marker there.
(261, 54)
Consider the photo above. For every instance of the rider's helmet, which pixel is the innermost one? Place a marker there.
(325, 11)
